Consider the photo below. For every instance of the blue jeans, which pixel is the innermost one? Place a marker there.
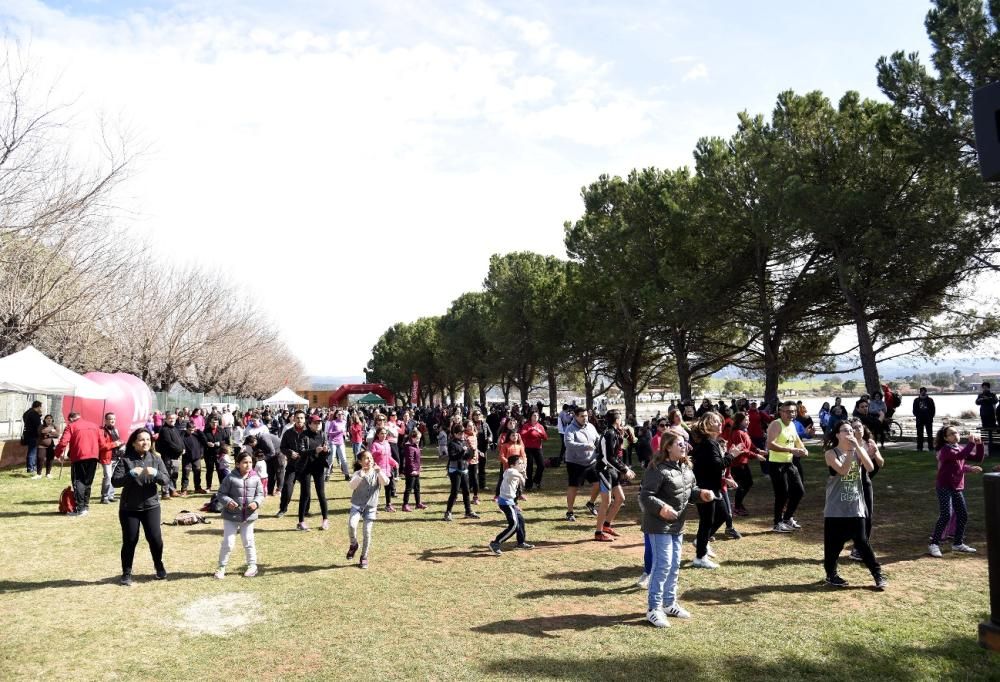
(666, 562)
(32, 461)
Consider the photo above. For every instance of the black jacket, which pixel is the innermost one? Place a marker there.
(710, 462)
(139, 493)
(222, 435)
(170, 442)
(923, 408)
(305, 443)
(459, 454)
(32, 426)
(194, 443)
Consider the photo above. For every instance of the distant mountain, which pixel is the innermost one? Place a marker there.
(330, 383)
(901, 367)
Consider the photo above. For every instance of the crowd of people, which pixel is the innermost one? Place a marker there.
(702, 455)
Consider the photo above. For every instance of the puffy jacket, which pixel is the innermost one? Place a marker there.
(139, 493)
(459, 454)
(411, 458)
(669, 483)
(83, 438)
(242, 491)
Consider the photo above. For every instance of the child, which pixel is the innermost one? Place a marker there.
(510, 446)
(668, 486)
(260, 466)
(241, 493)
(442, 442)
(381, 453)
(367, 479)
(411, 470)
(513, 478)
(472, 438)
(950, 483)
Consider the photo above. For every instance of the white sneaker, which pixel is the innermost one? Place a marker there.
(36, 477)
(782, 527)
(677, 611)
(934, 550)
(793, 523)
(963, 548)
(704, 562)
(708, 548)
(643, 581)
(48, 475)
(220, 574)
(658, 618)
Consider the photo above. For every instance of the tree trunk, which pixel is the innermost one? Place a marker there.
(523, 389)
(684, 377)
(866, 348)
(552, 391)
(482, 395)
(772, 374)
(588, 390)
(630, 400)
(467, 394)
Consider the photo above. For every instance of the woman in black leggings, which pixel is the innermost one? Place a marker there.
(138, 472)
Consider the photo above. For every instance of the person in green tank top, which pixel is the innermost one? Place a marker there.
(783, 445)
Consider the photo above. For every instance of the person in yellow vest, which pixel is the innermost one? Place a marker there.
(783, 445)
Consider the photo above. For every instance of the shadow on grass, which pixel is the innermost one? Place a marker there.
(14, 515)
(441, 554)
(546, 626)
(597, 575)
(577, 592)
(840, 663)
(744, 595)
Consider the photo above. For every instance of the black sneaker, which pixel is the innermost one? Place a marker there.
(836, 581)
(126, 580)
(495, 548)
(592, 508)
(161, 573)
(525, 545)
(280, 513)
(881, 583)
(472, 515)
(570, 516)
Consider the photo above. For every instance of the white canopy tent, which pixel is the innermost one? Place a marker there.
(30, 371)
(285, 396)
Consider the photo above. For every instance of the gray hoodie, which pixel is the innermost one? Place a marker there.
(365, 487)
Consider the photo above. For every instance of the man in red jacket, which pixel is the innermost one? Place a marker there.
(83, 439)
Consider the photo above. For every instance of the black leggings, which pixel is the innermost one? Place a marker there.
(836, 532)
(788, 489)
(150, 522)
(474, 479)
(412, 485)
(744, 479)
(315, 470)
(459, 479)
(536, 466)
(869, 494)
(711, 516)
(211, 465)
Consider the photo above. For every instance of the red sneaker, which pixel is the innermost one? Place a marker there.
(610, 531)
(602, 537)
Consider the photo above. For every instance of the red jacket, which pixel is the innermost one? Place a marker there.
(532, 435)
(741, 437)
(83, 439)
(757, 422)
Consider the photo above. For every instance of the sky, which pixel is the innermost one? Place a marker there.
(353, 165)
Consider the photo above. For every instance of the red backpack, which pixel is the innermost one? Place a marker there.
(67, 500)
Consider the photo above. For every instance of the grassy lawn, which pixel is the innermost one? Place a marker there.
(435, 604)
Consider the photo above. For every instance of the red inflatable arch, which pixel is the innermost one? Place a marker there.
(339, 397)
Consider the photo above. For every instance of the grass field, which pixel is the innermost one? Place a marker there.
(435, 604)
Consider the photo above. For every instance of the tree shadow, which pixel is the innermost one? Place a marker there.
(438, 555)
(546, 626)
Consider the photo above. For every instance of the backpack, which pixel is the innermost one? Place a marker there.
(896, 400)
(187, 518)
(67, 500)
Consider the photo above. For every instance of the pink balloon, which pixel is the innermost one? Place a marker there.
(128, 397)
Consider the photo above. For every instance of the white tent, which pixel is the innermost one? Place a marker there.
(29, 371)
(285, 396)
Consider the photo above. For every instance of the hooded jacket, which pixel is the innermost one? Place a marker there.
(242, 491)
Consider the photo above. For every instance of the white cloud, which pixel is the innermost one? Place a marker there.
(697, 71)
(338, 162)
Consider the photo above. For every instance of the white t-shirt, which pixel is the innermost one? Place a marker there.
(261, 468)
